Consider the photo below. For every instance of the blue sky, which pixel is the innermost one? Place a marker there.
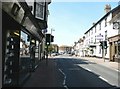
(72, 19)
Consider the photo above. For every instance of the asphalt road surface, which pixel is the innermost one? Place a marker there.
(82, 73)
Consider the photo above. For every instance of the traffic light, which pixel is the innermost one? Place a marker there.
(105, 44)
(52, 38)
(49, 38)
(101, 44)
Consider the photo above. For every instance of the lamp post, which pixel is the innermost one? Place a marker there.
(101, 40)
(51, 37)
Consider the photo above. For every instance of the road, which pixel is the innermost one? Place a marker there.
(82, 73)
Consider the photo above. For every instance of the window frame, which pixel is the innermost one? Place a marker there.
(40, 9)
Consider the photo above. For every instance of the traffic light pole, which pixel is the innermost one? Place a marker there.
(103, 51)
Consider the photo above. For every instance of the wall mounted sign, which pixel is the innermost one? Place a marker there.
(116, 25)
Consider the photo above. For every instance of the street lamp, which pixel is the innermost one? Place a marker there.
(51, 34)
(51, 37)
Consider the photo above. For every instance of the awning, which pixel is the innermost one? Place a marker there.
(114, 38)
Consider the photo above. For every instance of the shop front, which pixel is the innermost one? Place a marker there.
(20, 44)
(114, 48)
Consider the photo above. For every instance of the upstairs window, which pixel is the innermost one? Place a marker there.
(105, 22)
(100, 26)
(40, 9)
(105, 35)
(95, 29)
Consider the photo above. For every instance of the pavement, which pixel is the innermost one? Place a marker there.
(46, 75)
(104, 62)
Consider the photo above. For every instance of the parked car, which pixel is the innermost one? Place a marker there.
(54, 54)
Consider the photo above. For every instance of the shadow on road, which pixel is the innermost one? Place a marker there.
(77, 76)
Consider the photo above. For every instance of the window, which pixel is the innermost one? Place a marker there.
(115, 49)
(100, 50)
(92, 31)
(118, 48)
(105, 35)
(91, 39)
(95, 39)
(105, 22)
(40, 7)
(24, 45)
(100, 26)
(95, 29)
(105, 51)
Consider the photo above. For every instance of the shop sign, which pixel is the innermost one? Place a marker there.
(99, 37)
(116, 25)
(14, 10)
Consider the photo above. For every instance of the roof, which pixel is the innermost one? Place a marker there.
(112, 11)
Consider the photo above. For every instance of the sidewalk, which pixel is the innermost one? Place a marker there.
(107, 63)
(46, 75)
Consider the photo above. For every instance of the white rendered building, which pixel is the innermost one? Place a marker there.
(100, 32)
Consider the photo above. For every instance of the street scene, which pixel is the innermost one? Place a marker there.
(60, 44)
(76, 72)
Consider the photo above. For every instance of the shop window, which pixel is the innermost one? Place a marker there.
(10, 65)
(24, 45)
(115, 49)
(37, 49)
(105, 51)
(24, 60)
(100, 50)
(118, 48)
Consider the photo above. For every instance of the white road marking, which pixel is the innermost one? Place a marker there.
(103, 78)
(65, 86)
(88, 69)
(117, 70)
(64, 81)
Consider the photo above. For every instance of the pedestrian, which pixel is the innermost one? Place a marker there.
(46, 57)
(32, 57)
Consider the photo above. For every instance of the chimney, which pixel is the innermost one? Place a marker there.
(107, 8)
(93, 23)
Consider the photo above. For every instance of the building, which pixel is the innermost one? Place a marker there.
(96, 38)
(78, 47)
(65, 49)
(115, 40)
(55, 48)
(18, 22)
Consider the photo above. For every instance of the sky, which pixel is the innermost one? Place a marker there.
(70, 20)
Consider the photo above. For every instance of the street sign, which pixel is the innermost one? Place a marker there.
(99, 37)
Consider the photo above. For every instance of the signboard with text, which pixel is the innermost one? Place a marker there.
(99, 37)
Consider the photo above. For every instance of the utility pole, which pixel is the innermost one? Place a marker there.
(51, 37)
(103, 51)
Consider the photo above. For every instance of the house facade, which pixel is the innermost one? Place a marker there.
(115, 40)
(96, 38)
(65, 49)
(21, 41)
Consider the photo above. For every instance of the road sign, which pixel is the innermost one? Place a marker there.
(99, 37)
